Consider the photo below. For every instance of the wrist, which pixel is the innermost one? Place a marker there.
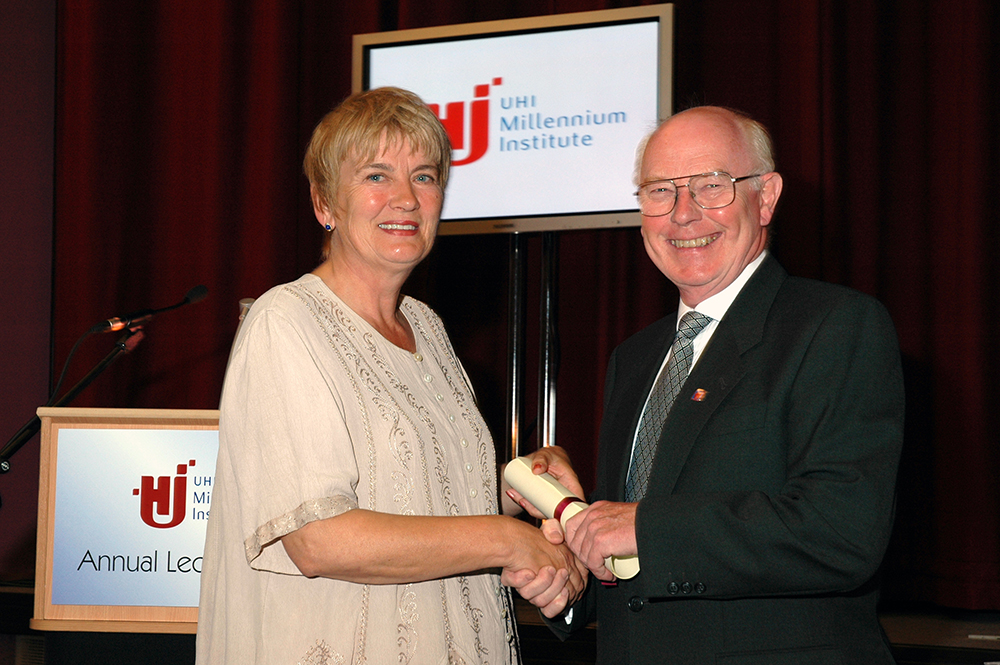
(513, 543)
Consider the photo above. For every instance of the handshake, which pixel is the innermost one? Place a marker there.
(601, 537)
(554, 501)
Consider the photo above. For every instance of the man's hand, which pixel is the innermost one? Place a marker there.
(547, 575)
(550, 590)
(602, 530)
(547, 589)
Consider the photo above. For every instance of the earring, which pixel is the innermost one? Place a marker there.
(328, 227)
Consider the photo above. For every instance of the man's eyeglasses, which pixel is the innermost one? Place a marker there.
(708, 190)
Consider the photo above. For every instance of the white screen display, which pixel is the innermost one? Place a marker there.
(544, 123)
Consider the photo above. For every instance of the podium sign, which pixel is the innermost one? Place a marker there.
(124, 500)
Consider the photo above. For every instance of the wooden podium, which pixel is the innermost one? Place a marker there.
(123, 501)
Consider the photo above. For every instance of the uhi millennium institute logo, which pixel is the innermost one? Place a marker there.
(526, 123)
(478, 125)
(164, 503)
(163, 500)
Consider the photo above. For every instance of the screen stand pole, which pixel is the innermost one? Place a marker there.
(548, 354)
(516, 334)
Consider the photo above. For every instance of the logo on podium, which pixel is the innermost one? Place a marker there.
(156, 499)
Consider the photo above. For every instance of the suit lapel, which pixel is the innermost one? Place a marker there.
(717, 372)
(635, 367)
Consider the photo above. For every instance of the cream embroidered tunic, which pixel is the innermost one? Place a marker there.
(320, 415)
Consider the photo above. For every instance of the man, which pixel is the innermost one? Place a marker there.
(761, 521)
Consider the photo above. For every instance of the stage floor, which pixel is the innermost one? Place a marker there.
(919, 636)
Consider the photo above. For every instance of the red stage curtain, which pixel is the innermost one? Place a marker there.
(182, 123)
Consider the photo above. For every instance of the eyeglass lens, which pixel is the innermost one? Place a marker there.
(710, 190)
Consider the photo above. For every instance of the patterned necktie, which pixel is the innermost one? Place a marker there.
(660, 401)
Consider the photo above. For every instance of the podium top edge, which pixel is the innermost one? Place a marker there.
(126, 414)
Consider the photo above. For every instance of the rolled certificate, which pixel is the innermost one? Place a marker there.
(556, 502)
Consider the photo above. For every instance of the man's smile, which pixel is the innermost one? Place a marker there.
(695, 242)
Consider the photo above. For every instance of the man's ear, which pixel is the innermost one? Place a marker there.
(769, 196)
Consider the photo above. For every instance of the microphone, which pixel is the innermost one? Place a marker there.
(197, 294)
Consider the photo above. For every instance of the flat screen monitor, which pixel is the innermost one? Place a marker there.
(544, 113)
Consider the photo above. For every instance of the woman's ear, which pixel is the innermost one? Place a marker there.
(321, 208)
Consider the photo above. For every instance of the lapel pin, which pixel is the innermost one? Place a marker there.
(699, 395)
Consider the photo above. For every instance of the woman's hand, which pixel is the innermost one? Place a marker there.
(552, 460)
(547, 575)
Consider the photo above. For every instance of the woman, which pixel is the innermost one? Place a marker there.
(354, 515)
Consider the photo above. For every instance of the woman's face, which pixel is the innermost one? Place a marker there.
(386, 214)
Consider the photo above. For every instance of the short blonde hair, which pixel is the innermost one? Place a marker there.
(357, 128)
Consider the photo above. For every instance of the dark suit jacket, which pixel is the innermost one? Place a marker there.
(770, 501)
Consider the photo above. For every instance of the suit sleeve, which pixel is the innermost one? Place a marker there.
(789, 485)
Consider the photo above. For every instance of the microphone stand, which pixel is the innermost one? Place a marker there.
(125, 344)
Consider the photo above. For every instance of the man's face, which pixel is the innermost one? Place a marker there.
(703, 251)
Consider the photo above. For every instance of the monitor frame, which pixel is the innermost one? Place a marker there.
(662, 14)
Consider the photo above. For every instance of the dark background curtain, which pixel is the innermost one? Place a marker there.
(179, 132)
